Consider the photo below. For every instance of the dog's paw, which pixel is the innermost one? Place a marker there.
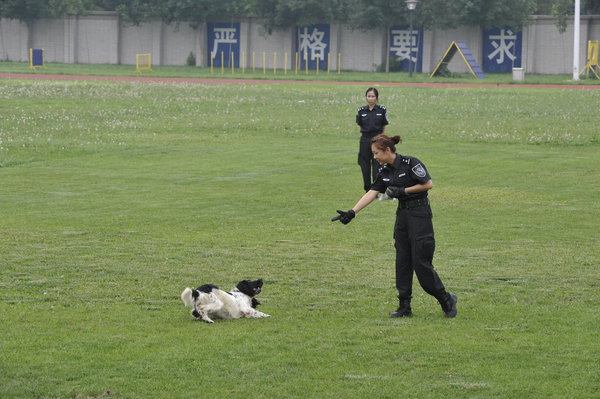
(195, 314)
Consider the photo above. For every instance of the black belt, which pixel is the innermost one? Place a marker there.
(413, 203)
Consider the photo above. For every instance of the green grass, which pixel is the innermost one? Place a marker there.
(259, 73)
(116, 196)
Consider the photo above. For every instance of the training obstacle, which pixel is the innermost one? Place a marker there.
(592, 59)
(36, 58)
(461, 48)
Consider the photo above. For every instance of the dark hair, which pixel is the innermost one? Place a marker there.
(374, 90)
(383, 141)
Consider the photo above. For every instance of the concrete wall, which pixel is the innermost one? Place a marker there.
(100, 38)
(14, 37)
(362, 51)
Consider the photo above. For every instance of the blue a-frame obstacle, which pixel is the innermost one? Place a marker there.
(467, 56)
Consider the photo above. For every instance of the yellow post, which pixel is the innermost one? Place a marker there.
(296, 64)
(306, 61)
(274, 63)
(232, 62)
(285, 63)
(318, 62)
(212, 61)
(222, 62)
(264, 63)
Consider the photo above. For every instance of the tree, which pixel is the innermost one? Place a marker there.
(282, 14)
(483, 13)
(24, 10)
(441, 14)
(563, 10)
(199, 11)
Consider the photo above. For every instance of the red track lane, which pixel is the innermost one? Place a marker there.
(259, 81)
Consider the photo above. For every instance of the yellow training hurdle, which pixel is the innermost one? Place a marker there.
(143, 62)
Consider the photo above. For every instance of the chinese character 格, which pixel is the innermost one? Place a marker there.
(313, 42)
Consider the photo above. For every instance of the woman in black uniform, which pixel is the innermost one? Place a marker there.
(406, 178)
(372, 119)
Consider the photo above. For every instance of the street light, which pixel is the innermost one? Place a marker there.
(411, 5)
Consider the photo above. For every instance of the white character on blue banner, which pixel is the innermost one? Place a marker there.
(406, 46)
(224, 44)
(313, 46)
(501, 49)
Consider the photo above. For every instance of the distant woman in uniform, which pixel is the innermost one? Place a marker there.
(406, 178)
(372, 119)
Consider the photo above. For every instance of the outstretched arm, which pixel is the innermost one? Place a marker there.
(346, 217)
(365, 200)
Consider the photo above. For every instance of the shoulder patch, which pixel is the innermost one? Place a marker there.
(419, 170)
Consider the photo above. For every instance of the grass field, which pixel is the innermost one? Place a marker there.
(280, 74)
(116, 196)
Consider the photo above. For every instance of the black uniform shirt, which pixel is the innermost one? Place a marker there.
(371, 122)
(405, 171)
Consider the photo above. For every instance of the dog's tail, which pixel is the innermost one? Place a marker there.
(187, 296)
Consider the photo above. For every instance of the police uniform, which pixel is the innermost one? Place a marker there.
(371, 124)
(413, 230)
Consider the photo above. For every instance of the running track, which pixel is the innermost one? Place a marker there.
(259, 81)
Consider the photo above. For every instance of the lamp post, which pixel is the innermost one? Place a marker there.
(576, 40)
(411, 5)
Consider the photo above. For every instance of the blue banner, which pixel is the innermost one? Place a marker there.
(501, 49)
(406, 45)
(223, 41)
(313, 46)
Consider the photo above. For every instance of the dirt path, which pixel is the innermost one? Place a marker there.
(259, 81)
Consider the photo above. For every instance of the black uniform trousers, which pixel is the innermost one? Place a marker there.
(415, 244)
(368, 165)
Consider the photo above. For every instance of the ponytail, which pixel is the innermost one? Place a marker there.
(383, 141)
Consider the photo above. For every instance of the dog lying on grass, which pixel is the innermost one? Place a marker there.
(208, 301)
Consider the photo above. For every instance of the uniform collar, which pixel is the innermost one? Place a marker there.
(397, 162)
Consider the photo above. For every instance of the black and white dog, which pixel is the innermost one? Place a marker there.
(209, 301)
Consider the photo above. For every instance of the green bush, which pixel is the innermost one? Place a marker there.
(191, 59)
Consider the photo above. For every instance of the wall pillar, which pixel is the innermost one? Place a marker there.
(157, 42)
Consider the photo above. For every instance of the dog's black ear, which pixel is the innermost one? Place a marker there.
(242, 286)
(207, 288)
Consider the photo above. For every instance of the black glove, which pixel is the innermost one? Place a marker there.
(396, 192)
(344, 217)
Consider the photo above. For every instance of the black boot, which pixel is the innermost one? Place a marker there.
(448, 304)
(403, 310)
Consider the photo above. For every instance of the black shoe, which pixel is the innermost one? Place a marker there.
(403, 310)
(450, 309)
